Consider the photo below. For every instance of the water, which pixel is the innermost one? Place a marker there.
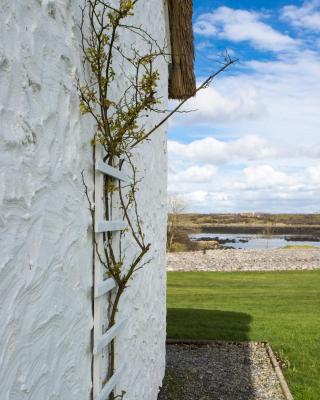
(254, 241)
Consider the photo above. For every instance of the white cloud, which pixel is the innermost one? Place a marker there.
(242, 181)
(276, 168)
(307, 16)
(196, 197)
(264, 176)
(285, 90)
(230, 103)
(288, 91)
(242, 25)
(313, 173)
(212, 151)
(260, 188)
(277, 100)
(205, 27)
(194, 174)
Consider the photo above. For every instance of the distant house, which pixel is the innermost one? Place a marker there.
(46, 255)
(248, 214)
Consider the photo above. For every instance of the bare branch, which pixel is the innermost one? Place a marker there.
(202, 86)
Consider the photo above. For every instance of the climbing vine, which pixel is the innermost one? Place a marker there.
(119, 90)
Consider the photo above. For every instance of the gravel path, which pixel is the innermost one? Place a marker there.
(245, 260)
(220, 371)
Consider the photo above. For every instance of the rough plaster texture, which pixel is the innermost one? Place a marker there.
(142, 344)
(45, 266)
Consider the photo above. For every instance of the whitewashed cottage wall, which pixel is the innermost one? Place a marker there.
(45, 264)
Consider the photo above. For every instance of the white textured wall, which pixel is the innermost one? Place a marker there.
(45, 264)
(142, 344)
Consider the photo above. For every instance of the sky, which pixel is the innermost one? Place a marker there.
(253, 141)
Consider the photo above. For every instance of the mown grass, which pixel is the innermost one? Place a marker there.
(282, 308)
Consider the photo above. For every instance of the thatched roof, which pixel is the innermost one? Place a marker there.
(181, 75)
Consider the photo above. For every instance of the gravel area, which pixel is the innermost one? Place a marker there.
(220, 371)
(245, 260)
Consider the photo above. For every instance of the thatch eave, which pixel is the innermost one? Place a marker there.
(182, 83)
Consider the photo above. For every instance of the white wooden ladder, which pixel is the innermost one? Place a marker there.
(103, 286)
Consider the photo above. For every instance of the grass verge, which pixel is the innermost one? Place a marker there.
(282, 308)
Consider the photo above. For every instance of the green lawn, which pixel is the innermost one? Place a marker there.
(282, 308)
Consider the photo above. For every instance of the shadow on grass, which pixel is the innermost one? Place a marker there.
(221, 371)
(188, 323)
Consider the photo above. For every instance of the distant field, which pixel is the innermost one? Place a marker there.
(282, 308)
(247, 219)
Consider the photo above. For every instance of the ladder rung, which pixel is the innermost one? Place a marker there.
(110, 171)
(110, 226)
(106, 338)
(110, 385)
(104, 287)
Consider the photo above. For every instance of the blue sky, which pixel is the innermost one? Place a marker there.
(253, 142)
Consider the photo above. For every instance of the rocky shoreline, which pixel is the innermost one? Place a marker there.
(245, 260)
